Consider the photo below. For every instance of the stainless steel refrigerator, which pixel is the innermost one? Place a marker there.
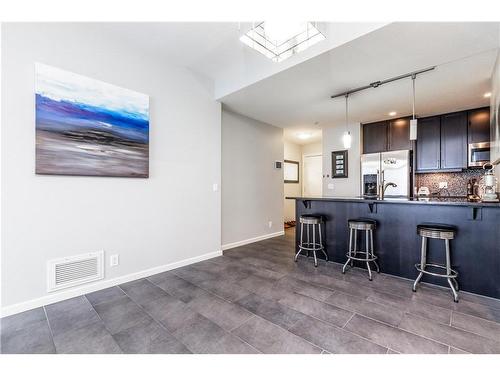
(382, 168)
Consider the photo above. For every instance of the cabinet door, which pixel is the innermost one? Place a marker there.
(428, 143)
(399, 134)
(479, 125)
(375, 137)
(454, 140)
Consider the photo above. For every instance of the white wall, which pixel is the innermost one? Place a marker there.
(170, 217)
(252, 190)
(293, 152)
(312, 148)
(332, 141)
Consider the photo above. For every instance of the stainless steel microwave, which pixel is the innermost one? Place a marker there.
(479, 154)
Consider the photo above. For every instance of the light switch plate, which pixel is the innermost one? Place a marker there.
(215, 187)
(330, 186)
(114, 260)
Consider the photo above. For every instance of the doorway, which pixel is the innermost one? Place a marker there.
(312, 185)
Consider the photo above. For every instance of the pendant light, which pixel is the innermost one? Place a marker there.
(413, 121)
(346, 138)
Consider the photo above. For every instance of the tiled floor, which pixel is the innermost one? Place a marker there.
(255, 299)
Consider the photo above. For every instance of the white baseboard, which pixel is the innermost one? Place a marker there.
(89, 288)
(251, 240)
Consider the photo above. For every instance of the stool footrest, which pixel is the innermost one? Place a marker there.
(311, 247)
(453, 274)
(371, 259)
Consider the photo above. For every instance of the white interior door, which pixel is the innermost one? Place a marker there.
(312, 185)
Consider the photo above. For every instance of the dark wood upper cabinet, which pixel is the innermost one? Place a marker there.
(479, 125)
(399, 134)
(375, 137)
(429, 144)
(454, 140)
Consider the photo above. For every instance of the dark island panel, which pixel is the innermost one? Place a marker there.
(475, 251)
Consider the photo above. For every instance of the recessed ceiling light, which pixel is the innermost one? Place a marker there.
(304, 135)
(392, 113)
(487, 95)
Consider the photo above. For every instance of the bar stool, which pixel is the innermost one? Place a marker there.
(441, 232)
(368, 225)
(312, 222)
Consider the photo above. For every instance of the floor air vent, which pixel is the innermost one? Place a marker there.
(76, 270)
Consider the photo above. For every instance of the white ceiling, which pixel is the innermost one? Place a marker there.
(298, 97)
(213, 49)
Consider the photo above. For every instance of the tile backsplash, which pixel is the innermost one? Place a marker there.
(457, 181)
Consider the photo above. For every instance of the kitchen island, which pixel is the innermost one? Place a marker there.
(475, 251)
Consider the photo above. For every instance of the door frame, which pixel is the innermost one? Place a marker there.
(304, 156)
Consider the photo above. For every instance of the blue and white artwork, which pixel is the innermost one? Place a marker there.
(87, 127)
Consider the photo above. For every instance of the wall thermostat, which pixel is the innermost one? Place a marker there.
(278, 164)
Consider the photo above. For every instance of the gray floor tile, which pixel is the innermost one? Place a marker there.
(120, 314)
(148, 337)
(201, 335)
(225, 314)
(22, 320)
(451, 336)
(104, 295)
(91, 339)
(141, 291)
(482, 300)
(193, 275)
(228, 291)
(271, 339)
(261, 286)
(416, 307)
(384, 313)
(313, 291)
(457, 351)
(482, 327)
(429, 311)
(320, 310)
(70, 314)
(170, 312)
(34, 339)
(271, 310)
(179, 288)
(478, 310)
(333, 339)
(393, 338)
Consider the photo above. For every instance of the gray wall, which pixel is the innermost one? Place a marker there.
(169, 219)
(252, 190)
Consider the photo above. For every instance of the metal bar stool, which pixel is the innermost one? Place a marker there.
(368, 225)
(440, 232)
(312, 222)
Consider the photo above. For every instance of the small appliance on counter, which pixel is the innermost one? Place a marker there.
(473, 190)
(490, 184)
(423, 191)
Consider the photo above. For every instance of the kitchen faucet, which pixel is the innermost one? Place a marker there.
(384, 188)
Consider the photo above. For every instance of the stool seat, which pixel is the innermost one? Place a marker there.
(311, 219)
(362, 223)
(437, 227)
(362, 220)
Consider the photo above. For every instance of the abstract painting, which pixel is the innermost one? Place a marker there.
(86, 127)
